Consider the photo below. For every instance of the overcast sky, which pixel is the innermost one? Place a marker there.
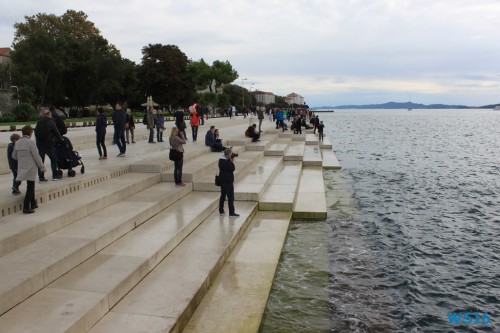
(332, 52)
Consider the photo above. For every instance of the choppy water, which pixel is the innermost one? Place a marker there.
(412, 232)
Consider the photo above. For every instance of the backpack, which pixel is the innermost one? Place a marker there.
(60, 124)
(145, 119)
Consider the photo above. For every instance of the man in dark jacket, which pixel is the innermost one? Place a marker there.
(46, 134)
(226, 175)
(119, 117)
(60, 124)
(210, 137)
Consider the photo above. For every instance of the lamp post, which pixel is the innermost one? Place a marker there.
(243, 91)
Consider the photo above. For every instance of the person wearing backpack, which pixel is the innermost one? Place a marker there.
(46, 134)
(60, 124)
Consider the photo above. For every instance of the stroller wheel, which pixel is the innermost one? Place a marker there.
(71, 173)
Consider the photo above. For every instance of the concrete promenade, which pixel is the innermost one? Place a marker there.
(121, 249)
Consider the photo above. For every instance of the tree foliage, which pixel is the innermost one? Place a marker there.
(64, 59)
(164, 75)
(204, 75)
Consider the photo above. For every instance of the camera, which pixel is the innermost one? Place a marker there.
(233, 155)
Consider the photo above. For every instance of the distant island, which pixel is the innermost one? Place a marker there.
(405, 105)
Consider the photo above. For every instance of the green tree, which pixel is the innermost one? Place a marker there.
(65, 60)
(223, 102)
(163, 74)
(215, 76)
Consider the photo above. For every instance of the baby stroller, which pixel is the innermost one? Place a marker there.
(67, 158)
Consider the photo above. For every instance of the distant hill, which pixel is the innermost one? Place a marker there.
(405, 105)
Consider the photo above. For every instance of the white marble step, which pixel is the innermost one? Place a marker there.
(95, 286)
(30, 268)
(312, 156)
(295, 151)
(245, 280)
(310, 202)
(166, 298)
(330, 161)
(281, 192)
(20, 229)
(252, 186)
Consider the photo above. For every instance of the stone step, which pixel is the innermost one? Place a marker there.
(19, 230)
(32, 267)
(295, 151)
(91, 289)
(325, 144)
(278, 148)
(166, 298)
(252, 186)
(265, 142)
(244, 162)
(310, 202)
(204, 164)
(281, 192)
(330, 161)
(237, 299)
(312, 139)
(312, 156)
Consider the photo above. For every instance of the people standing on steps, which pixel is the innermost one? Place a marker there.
(13, 163)
(260, 116)
(29, 162)
(160, 126)
(119, 118)
(320, 127)
(150, 123)
(129, 127)
(226, 176)
(194, 120)
(179, 121)
(101, 123)
(46, 134)
(176, 141)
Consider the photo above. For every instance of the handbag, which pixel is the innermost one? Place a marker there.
(175, 155)
(217, 180)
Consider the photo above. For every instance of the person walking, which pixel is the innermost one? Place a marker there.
(13, 163)
(46, 134)
(150, 123)
(195, 121)
(226, 176)
(176, 141)
(119, 118)
(129, 127)
(101, 123)
(29, 161)
(160, 126)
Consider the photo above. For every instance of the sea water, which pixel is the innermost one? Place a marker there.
(412, 238)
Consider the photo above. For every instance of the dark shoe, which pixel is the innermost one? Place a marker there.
(15, 191)
(28, 211)
(56, 178)
(43, 180)
(151, 142)
(222, 214)
(234, 215)
(34, 207)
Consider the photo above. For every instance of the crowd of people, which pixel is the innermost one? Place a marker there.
(27, 157)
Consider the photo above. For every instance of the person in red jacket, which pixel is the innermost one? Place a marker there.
(195, 122)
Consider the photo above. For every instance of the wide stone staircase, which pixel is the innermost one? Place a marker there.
(120, 248)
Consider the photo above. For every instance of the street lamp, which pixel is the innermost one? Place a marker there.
(243, 91)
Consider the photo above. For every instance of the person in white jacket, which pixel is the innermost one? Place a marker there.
(28, 163)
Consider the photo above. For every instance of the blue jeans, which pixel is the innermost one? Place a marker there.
(119, 139)
(151, 134)
(178, 171)
(15, 183)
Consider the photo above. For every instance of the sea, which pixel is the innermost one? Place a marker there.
(412, 238)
